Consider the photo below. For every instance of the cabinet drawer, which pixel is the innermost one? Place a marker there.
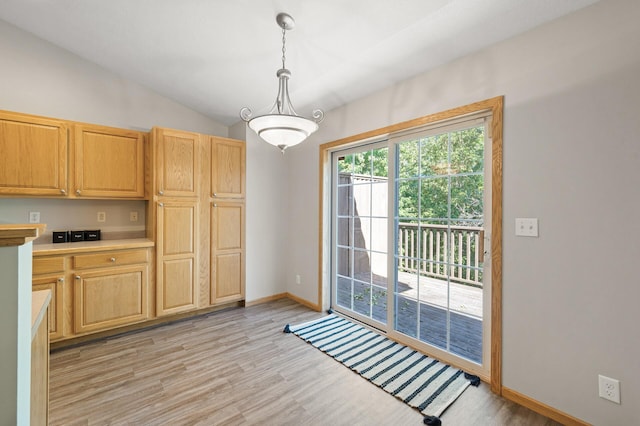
(113, 258)
(47, 265)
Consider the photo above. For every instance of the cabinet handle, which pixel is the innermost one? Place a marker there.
(113, 259)
(160, 204)
(63, 191)
(215, 195)
(60, 280)
(78, 277)
(161, 192)
(215, 205)
(78, 192)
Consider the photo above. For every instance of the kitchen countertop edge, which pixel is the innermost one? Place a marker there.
(39, 303)
(92, 246)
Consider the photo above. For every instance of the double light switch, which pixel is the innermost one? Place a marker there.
(527, 227)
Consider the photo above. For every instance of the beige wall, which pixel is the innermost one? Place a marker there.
(268, 214)
(60, 214)
(571, 159)
(39, 78)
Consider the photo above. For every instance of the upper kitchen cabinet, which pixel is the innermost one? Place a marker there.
(33, 155)
(176, 162)
(108, 162)
(37, 159)
(227, 168)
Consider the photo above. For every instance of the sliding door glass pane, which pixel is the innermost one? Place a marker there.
(361, 199)
(439, 217)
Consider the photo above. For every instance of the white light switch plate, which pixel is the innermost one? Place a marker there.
(527, 226)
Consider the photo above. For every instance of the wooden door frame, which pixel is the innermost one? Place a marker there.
(495, 105)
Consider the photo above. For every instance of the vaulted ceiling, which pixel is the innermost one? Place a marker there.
(217, 56)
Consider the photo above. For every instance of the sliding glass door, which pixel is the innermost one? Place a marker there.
(419, 276)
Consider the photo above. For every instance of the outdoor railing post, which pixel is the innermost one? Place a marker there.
(418, 246)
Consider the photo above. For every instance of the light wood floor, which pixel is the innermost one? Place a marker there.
(236, 367)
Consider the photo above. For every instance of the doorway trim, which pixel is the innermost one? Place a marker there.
(495, 105)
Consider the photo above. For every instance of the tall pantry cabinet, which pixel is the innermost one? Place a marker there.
(227, 206)
(198, 208)
(174, 210)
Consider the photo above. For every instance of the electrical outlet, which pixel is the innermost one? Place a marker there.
(609, 388)
(297, 279)
(102, 217)
(34, 217)
(133, 216)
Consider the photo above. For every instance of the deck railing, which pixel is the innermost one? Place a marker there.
(429, 250)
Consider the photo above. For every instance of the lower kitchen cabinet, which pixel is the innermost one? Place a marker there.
(108, 298)
(93, 290)
(49, 274)
(56, 306)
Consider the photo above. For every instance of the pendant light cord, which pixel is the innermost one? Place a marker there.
(284, 30)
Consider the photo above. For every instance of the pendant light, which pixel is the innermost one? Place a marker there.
(282, 126)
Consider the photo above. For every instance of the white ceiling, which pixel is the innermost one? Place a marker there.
(217, 56)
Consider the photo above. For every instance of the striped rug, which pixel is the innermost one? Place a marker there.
(422, 382)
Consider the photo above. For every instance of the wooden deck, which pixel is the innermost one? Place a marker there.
(464, 299)
(465, 312)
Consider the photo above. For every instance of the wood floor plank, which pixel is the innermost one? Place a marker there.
(236, 367)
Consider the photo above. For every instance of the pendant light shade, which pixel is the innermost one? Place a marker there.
(282, 131)
(282, 126)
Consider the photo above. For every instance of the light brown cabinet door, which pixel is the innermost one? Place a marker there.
(176, 275)
(55, 312)
(109, 162)
(108, 298)
(228, 251)
(33, 158)
(227, 168)
(177, 171)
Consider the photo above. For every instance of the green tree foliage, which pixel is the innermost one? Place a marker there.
(431, 171)
(369, 163)
(440, 181)
(434, 168)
